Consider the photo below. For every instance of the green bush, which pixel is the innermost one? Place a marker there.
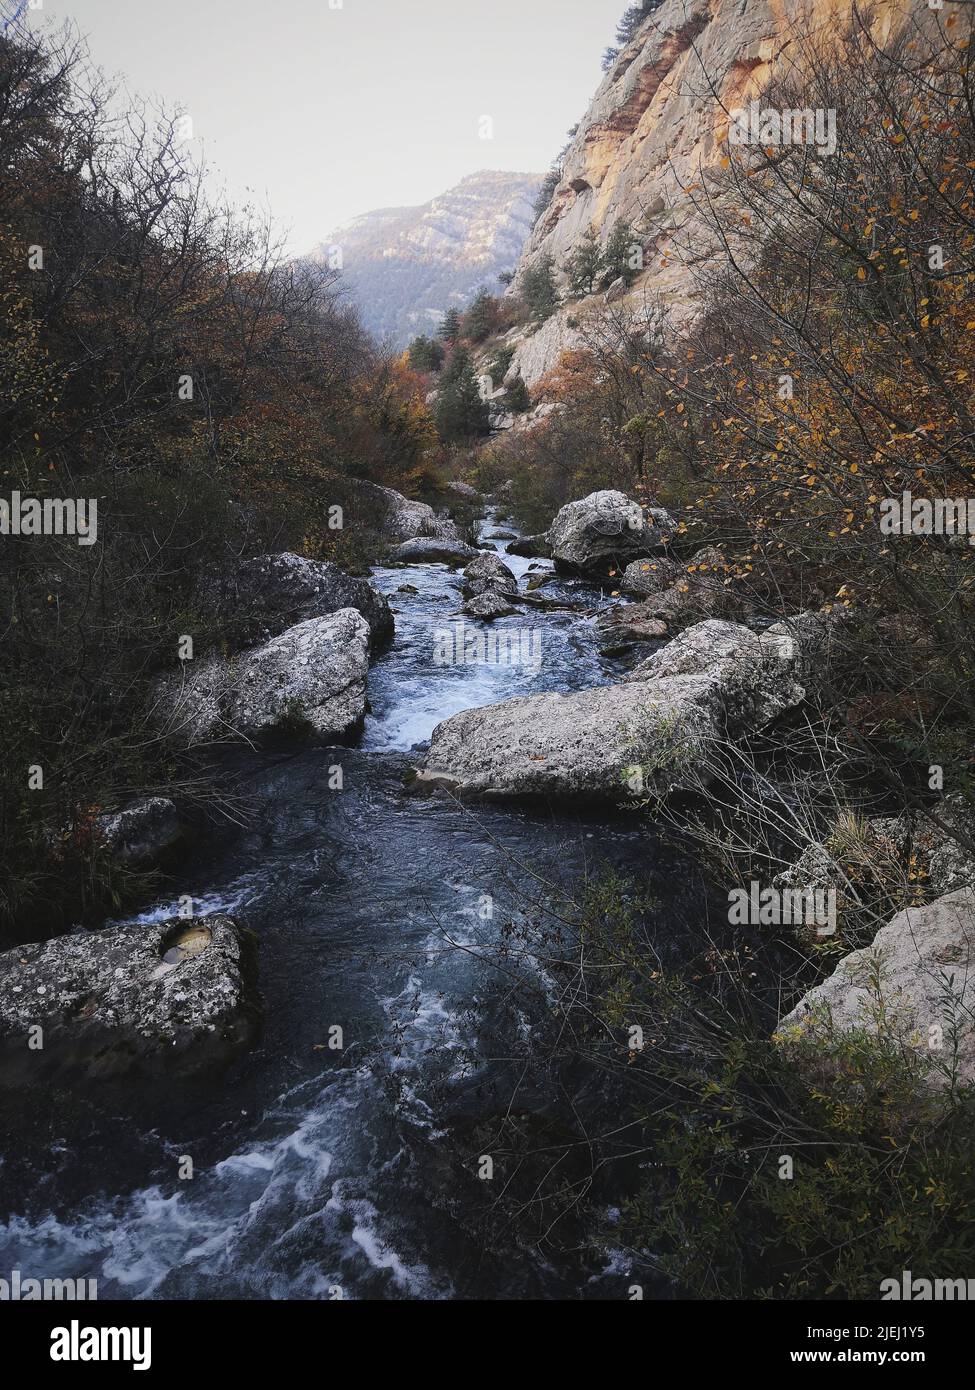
(687, 1130)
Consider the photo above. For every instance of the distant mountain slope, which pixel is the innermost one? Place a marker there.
(406, 266)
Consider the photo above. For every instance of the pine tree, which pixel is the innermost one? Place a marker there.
(500, 363)
(633, 17)
(460, 412)
(450, 327)
(538, 288)
(516, 397)
(623, 258)
(585, 264)
(481, 317)
(426, 354)
(548, 186)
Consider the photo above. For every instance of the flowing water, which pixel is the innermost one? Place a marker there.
(318, 1169)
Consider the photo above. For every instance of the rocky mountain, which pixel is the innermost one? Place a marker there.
(406, 266)
(658, 122)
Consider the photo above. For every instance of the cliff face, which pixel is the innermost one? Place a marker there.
(659, 120)
(406, 266)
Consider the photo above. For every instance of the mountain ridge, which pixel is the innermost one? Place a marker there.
(405, 266)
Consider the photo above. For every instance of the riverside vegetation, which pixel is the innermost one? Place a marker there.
(217, 400)
(667, 1116)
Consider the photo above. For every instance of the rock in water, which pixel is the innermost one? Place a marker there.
(310, 679)
(658, 731)
(488, 605)
(432, 552)
(917, 975)
(141, 833)
(530, 548)
(488, 574)
(629, 623)
(275, 592)
(147, 997)
(605, 530)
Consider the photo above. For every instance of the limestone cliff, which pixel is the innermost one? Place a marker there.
(659, 121)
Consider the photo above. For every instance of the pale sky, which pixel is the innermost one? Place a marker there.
(324, 113)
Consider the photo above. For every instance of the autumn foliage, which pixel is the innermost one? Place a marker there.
(159, 353)
(832, 369)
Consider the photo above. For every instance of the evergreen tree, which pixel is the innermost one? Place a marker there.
(500, 363)
(460, 413)
(516, 397)
(633, 17)
(481, 317)
(426, 354)
(553, 178)
(623, 257)
(549, 184)
(538, 288)
(585, 264)
(450, 327)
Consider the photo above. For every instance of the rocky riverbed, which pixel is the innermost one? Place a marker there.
(312, 998)
(316, 1148)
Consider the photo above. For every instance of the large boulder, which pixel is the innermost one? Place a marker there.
(276, 592)
(606, 530)
(683, 594)
(752, 678)
(651, 576)
(912, 989)
(530, 548)
(141, 833)
(428, 551)
(309, 679)
(465, 490)
(657, 732)
(488, 574)
(402, 519)
(174, 995)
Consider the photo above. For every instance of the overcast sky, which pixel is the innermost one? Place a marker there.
(326, 112)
